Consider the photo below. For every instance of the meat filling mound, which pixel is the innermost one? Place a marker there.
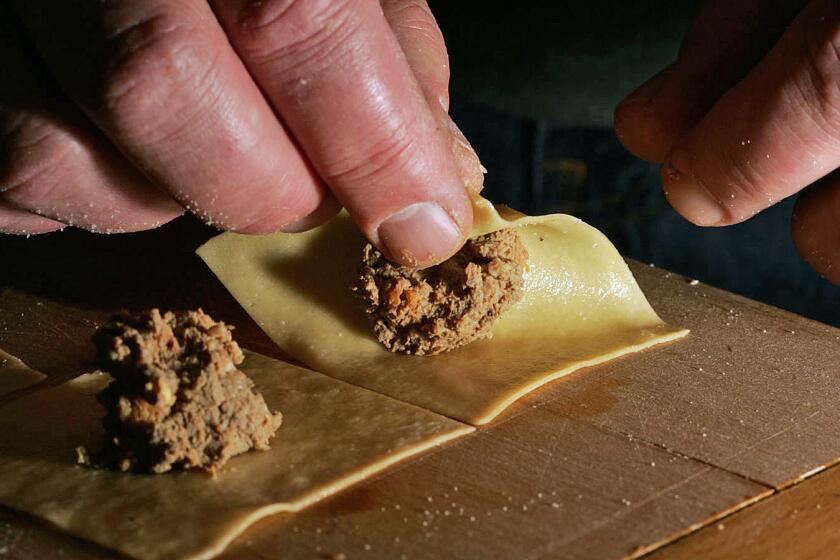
(177, 399)
(437, 309)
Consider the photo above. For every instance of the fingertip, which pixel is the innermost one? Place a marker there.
(638, 123)
(421, 235)
(130, 222)
(650, 129)
(691, 198)
(633, 124)
(264, 224)
(31, 228)
(14, 221)
(119, 217)
(813, 228)
(283, 202)
(322, 214)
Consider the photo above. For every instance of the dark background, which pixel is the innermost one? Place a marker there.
(534, 86)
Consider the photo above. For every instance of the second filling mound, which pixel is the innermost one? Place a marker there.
(177, 399)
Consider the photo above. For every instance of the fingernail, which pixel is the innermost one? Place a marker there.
(690, 198)
(420, 234)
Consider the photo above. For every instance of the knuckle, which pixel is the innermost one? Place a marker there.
(389, 156)
(289, 33)
(156, 69)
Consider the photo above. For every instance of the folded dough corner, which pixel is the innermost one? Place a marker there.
(581, 306)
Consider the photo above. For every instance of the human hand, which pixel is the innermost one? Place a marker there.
(255, 115)
(749, 114)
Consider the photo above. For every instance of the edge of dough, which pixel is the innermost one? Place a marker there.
(16, 375)
(314, 497)
(581, 307)
(493, 411)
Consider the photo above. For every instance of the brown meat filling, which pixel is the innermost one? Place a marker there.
(177, 399)
(437, 309)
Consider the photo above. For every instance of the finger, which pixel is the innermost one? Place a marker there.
(328, 208)
(774, 133)
(814, 227)
(53, 162)
(724, 41)
(161, 80)
(22, 222)
(336, 74)
(421, 41)
(53, 166)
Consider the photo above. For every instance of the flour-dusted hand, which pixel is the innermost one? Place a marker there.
(256, 115)
(750, 114)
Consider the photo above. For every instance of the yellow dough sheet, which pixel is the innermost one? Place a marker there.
(15, 375)
(581, 306)
(333, 434)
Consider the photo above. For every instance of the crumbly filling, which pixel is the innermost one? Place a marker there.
(177, 399)
(437, 309)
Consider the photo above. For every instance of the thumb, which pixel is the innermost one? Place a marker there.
(337, 77)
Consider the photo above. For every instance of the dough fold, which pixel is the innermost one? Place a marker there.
(580, 307)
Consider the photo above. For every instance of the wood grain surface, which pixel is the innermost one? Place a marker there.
(608, 462)
(799, 523)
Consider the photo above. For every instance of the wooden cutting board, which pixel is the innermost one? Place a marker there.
(610, 462)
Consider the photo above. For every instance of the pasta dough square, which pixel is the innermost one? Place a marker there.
(333, 434)
(581, 306)
(15, 375)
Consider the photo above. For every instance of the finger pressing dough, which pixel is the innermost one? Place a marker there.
(580, 306)
(333, 434)
(15, 375)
